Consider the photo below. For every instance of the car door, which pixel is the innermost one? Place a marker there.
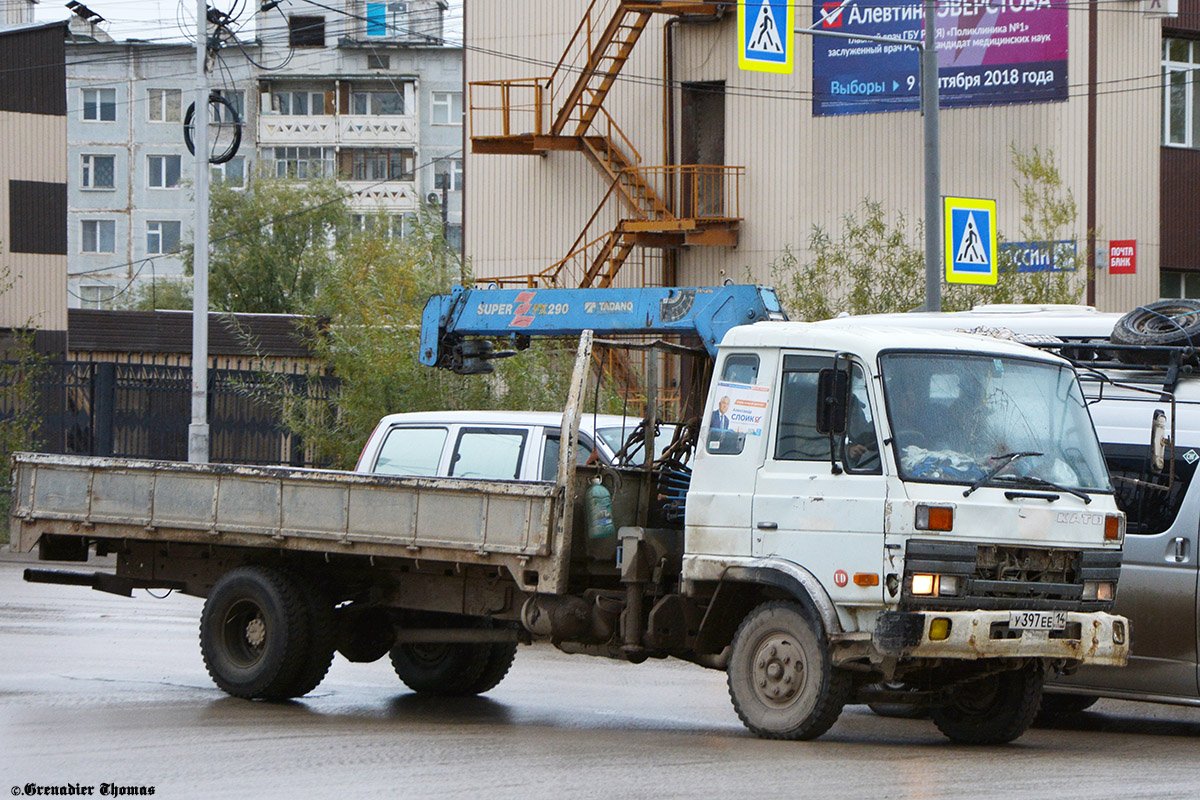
(828, 520)
(1158, 585)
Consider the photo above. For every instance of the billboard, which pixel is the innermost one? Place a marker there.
(990, 52)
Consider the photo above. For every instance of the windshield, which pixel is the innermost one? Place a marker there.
(615, 437)
(956, 417)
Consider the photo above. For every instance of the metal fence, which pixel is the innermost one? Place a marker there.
(143, 411)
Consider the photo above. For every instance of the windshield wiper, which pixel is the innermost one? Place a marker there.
(1036, 481)
(1004, 460)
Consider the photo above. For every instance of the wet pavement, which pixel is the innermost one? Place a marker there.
(99, 691)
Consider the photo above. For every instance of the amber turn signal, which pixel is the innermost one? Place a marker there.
(1112, 527)
(866, 579)
(935, 518)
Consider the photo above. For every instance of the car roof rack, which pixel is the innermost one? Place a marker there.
(1171, 362)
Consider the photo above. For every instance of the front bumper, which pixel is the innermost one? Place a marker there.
(1093, 638)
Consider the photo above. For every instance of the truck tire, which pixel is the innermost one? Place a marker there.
(1162, 323)
(442, 669)
(994, 710)
(499, 661)
(781, 681)
(917, 709)
(254, 633)
(322, 639)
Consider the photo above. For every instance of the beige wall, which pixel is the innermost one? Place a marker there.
(524, 212)
(32, 148)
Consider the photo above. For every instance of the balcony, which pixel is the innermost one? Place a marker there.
(337, 129)
(389, 196)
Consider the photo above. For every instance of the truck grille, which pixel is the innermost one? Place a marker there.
(994, 576)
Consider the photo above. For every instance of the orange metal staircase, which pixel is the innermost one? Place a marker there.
(706, 197)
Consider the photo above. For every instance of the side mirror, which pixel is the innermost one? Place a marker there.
(833, 397)
(1159, 441)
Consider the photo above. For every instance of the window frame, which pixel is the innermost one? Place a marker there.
(162, 250)
(438, 104)
(162, 172)
(220, 173)
(98, 105)
(1191, 114)
(97, 236)
(296, 33)
(87, 175)
(158, 97)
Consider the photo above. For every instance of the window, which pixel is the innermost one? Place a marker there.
(98, 172)
(376, 19)
(381, 165)
(447, 108)
(1148, 510)
(98, 296)
(162, 236)
(232, 173)
(163, 172)
(1181, 78)
(380, 103)
(100, 105)
(298, 103)
(306, 31)
(98, 236)
(738, 383)
(448, 175)
(402, 225)
(411, 451)
(235, 98)
(376, 61)
(797, 437)
(162, 105)
(550, 455)
(387, 19)
(303, 162)
(488, 453)
(1172, 284)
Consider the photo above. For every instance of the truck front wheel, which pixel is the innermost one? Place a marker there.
(781, 681)
(254, 634)
(993, 710)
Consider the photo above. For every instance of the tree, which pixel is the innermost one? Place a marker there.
(877, 264)
(270, 243)
(161, 294)
(364, 321)
(20, 371)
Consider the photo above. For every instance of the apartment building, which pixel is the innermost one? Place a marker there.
(366, 93)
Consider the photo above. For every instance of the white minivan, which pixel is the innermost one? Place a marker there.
(500, 445)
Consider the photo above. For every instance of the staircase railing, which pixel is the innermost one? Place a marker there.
(525, 114)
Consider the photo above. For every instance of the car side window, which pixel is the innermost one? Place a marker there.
(797, 437)
(739, 379)
(583, 451)
(488, 453)
(411, 451)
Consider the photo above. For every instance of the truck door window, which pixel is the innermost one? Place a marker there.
(736, 400)
(488, 453)
(411, 451)
(797, 437)
(583, 451)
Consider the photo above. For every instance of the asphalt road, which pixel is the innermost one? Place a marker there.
(100, 690)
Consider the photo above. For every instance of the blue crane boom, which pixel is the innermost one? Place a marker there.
(455, 328)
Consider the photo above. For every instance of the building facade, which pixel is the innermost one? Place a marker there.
(33, 184)
(333, 93)
(663, 161)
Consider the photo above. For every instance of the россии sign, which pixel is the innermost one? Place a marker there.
(990, 52)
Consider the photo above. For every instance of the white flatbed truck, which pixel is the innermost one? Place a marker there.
(820, 529)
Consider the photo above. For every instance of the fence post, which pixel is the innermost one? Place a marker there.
(104, 389)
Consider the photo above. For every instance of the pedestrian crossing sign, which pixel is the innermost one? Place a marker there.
(765, 38)
(970, 226)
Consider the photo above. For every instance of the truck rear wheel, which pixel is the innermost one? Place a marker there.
(322, 639)
(441, 668)
(993, 710)
(254, 633)
(499, 660)
(781, 681)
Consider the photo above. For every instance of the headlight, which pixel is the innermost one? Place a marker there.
(924, 585)
(1097, 590)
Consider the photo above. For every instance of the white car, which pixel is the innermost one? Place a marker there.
(501, 445)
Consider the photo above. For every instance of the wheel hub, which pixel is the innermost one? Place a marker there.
(256, 632)
(779, 670)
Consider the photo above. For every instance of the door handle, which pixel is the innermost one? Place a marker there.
(768, 526)
(1179, 550)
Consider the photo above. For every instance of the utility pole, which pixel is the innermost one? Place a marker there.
(933, 170)
(929, 109)
(198, 430)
